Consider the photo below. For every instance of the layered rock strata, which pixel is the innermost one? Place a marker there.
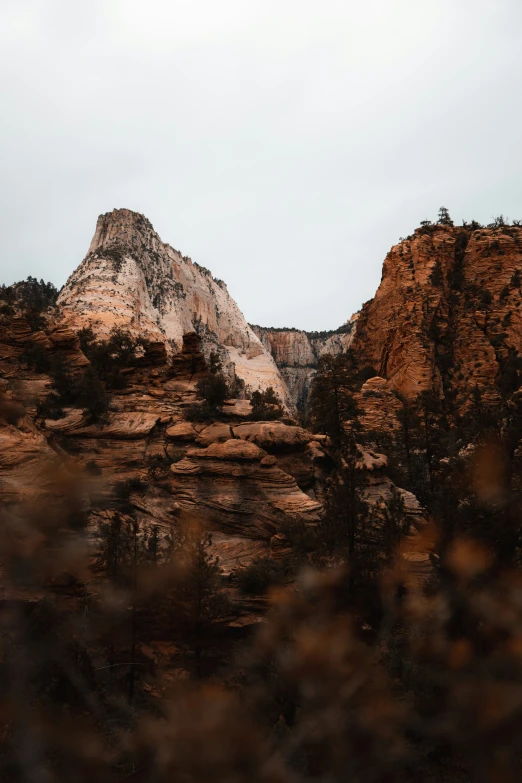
(243, 479)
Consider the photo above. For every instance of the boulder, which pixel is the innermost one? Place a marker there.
(181, 431)
(273, 435)
(229, 450)
(214, 433)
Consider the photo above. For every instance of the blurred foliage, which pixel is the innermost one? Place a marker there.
(435, 695)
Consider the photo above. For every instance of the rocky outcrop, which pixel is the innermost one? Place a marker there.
(27, 462)
(239, 489)
(131, 279)
(297, 354)
(447, 315)
(242, 479)
(379, 407)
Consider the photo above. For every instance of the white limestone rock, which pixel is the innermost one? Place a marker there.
(131, 279)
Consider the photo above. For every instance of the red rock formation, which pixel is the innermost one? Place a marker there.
(447, 311)
(217, 468)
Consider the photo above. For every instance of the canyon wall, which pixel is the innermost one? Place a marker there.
(447, 315)
(297, 354)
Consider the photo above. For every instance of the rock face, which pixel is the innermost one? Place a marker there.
(297, 354)
(131, 279)
(448, 312)
(242, 479)
(239, 490)
(247, 481)
(379, 408)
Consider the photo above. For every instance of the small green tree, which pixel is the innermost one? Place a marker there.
(110, 357)
(35, 356)
(213, 388)
(91, 396)
(444, 218)
(125, 546)
(197, 605)
(331, 401)
(266, 405)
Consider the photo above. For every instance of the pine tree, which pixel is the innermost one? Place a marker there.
(124, 548)
(334, 412)
(91, 396)
(429, 415)
(444, 218)
(266, 405)
(213, 389)
(197, 605)
(331, 401)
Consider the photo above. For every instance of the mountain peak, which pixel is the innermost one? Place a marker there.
(131, 279)
(121, 225)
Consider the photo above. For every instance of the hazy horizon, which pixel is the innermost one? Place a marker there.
(284, 148)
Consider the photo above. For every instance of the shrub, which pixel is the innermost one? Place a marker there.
(92, 468)
(158, 465)
(110, 357)
(84, 391)
(177, 454)
(199, 412)
(35, 356)
(124, 489)
(35, 319)
(91, 396)
(50, 408)
(237, 387)
(63, 383)
(302, 537)
(262, 573)
(266, 406)
(215, 364)
(213, 389)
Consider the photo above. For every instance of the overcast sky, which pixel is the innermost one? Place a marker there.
(284, 144)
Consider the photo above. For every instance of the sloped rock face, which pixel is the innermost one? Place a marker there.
(131, 279)
(297, 354)
(447, 313)
(27, 462)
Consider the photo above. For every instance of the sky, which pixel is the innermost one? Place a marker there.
(284, 144)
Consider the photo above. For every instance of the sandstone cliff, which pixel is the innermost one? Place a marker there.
(131, 279)
(242, 479)
(297, 354)
(447, 315)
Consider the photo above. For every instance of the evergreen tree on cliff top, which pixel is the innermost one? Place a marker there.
(444, 218)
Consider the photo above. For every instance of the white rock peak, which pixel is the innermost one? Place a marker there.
(131, 279)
